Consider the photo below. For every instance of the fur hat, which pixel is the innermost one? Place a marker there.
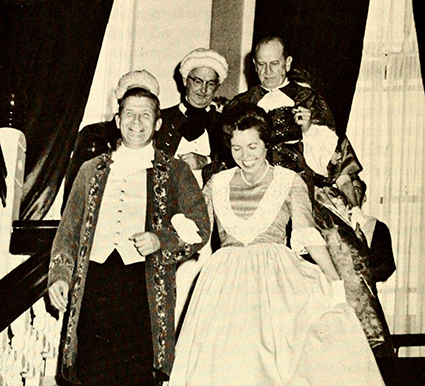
(138, 78)
(202, 57)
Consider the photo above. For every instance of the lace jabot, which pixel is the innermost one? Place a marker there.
(247, 230)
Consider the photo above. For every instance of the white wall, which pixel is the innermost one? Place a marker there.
(166, 32)
(150, 34)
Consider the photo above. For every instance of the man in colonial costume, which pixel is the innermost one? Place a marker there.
(132, 214)
(100, 137)
(191, 131)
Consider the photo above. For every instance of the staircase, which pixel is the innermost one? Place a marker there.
(29, 330)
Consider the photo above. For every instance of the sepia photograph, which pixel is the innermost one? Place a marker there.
(212, 193)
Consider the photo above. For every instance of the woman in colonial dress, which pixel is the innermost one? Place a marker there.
(260, 314)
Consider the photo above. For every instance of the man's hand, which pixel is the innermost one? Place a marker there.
(195, 161)
(302, 116)
(145, 243)
(58, 294)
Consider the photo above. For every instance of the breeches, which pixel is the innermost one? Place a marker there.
(114, 332)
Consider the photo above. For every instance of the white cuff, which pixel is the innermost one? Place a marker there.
(186, 228)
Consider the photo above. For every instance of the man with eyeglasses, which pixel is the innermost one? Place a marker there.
(191, 130)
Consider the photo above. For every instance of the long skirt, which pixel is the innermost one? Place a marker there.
(114, 333)
(261, 315)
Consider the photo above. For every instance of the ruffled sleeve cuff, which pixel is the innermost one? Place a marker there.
(319, 146)
(304, 237)
(186, 229)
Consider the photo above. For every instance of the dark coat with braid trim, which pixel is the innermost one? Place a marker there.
(171, 189)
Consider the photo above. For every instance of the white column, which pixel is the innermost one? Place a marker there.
(232, 28)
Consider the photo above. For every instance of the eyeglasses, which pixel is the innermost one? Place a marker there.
(198, 82)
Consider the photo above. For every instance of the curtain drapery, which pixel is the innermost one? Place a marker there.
(419, 16)
(116, 57)
(53, 47)
(386, 127)
(143, 35)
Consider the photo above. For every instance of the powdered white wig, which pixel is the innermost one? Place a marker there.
(202, 57)
(138, 78)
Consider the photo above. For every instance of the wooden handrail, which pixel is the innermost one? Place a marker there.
(22, 287)
(27, 283)
(407, 340)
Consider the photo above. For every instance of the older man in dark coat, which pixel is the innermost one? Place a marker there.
(191, 130)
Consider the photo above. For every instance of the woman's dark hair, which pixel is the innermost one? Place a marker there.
(244, 116)
(140, 92)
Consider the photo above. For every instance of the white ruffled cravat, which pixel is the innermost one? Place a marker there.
(276, 98)
(131, 160)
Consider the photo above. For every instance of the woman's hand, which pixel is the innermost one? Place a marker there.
(338, 292)
(58, 294)
(320, 255)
